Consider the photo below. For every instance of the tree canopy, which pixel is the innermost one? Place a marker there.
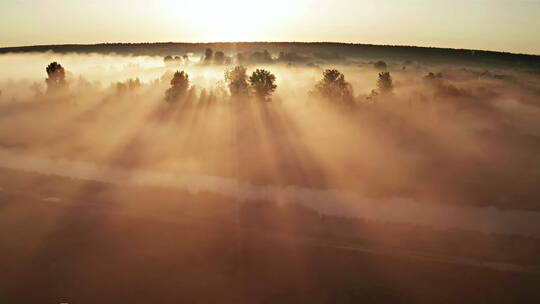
(380, 65)
(179, 87)
(334, 87)
(56, 76)
(263, 83)
(208, 55)
(236, 79)
(384, 83)
(219, 57)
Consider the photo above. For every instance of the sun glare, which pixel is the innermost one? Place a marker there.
(237, 20)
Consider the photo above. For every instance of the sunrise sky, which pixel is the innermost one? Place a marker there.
(501, 25)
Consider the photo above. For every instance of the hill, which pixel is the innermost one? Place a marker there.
(325, 50)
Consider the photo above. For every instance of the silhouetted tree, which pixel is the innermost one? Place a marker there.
(260, 57)
(208, 55)
(179, 87)
(434, 80)
(384, 83)
(56, 77)
(380, 65)
(263, 83)
(128, 86)
(171, 61)
(240, 58)
(291, 57)
(219, 57)
(237, 81)
(266, 56)
(334, 87)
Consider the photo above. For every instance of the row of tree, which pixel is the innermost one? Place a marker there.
(334, 87)
(256, 57)
(219, 58)
(260, 84)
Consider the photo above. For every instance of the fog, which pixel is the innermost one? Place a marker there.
(331, 202)
(456, 151)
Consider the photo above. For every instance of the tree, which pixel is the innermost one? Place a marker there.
(334, 87)
(171, 61)
(56, 77)
(291, 57)
(208, 55)
(263, 83)
(129, 85)
(179, 87)
(219, 57)
(384, 83)
(240, 58)
(237, 81)
(260, 57)
(433, 78)
(380, 65)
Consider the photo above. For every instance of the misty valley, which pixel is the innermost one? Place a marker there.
(293, 164)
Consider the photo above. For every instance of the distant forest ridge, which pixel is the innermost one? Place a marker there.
(327, 50)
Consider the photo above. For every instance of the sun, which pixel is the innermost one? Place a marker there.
(235, 20)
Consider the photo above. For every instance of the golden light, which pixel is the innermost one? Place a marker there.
(236, 20)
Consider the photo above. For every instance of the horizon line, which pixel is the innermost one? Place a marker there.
(269, 42)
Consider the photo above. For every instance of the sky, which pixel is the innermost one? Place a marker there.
(500, 25)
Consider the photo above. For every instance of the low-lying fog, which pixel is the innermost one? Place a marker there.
(324, 201)
(465, 137)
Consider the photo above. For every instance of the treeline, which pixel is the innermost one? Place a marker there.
(260, 84)
(241, 58)
(315, 49)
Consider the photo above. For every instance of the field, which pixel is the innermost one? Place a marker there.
(104, 243)
(134, 173)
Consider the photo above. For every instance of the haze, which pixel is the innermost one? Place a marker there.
(500, 25)
(400, 164)
(115, 168)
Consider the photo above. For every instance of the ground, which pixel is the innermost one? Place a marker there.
(64, 240)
